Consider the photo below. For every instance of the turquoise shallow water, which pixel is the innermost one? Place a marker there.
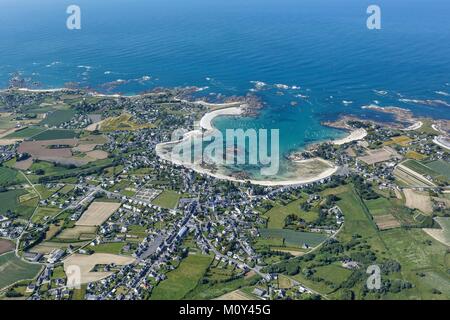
(321, 48)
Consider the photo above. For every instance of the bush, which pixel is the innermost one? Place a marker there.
(13, 294)
(347, 294)
(292, 269)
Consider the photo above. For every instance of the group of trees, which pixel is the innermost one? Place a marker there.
(364, 189)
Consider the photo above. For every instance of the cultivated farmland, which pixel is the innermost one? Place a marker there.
(58, 117)
(442, 235)
(26, 132)
(78, 233)
(55, 134)
(87, 263)
(386, 222)
(6, 246)
(97, 213)
(437, 170)
(379, 155)
(418, 200)
(236, 295)
(12, 269)
(409, 177)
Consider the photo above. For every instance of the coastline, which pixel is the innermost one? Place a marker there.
(236, 108)
(206, 124)
(415, 126)
(87, 91)
(267, 183)
(207, 119)
(442, 141)
(354, 135)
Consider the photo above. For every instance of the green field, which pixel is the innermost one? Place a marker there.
(48, 167)
(9, 176)
(67, 189)
(441, 167)
(418, 167)
(6, 122)
(25, 133)
(424, 261)
(210, 291)
(417, 252)
(413, 249)
(45, 192)
(167, 199)
(379, 207)
(13, 269)
(444, 223)
(79, 294)
(58, 117)
(183, 279)
(333, 273)
(55, 134)
(124, 122)
(9, 200)
(42, 213)
(138, 231)
(293, 238)
(438, 169)
(112, 248)
(61, 174)
(277, 215)
(357, 217)
(383, 206)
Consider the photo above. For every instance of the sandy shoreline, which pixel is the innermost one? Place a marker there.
(268, 183)
(442, 142)
(41, 90)
(415, 126)
(92, 93)
(206, 121)
(206, 124)
(224, 109)
(355, 135)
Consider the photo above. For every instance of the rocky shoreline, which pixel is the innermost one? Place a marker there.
(404, 119)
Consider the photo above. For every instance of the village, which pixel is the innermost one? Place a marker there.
(98, 215)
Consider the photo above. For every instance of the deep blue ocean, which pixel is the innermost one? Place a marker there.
(319, 53)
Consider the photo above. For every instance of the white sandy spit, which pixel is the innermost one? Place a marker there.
(355, 135)
(415, 126)
(206, 121)
(443, 142)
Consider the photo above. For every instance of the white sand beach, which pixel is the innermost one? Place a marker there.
(415, 126)
(218, 105)
(42, 90)
(442, 141)
(355, 135)
(206, 124)
(206, 121)
(436, 128)
(268, 183)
